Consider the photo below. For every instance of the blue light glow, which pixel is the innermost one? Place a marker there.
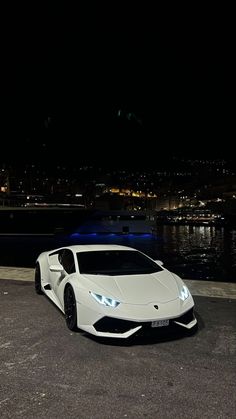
(111, 235)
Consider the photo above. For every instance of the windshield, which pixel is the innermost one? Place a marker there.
(116, 262)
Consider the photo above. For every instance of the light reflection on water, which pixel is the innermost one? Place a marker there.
(197, 252)
(200, 252)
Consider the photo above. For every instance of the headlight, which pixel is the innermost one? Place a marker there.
(184, 293)
(109, 302)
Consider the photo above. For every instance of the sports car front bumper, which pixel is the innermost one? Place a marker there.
(105, 325)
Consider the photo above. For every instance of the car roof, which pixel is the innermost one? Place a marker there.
(96, 247)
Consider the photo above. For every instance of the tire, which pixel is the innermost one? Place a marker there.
(70, 308)
(37, 280)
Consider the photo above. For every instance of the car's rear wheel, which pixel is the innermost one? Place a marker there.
(37, 279)
(70, 308)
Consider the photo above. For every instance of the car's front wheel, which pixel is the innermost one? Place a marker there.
(70, 308)
(37, 279)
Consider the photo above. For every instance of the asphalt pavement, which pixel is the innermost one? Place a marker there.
(47, 371)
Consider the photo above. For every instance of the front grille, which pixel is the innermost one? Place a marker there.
(111, 325)
(114, 325)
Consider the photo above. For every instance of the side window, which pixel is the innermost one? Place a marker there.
(66, 259)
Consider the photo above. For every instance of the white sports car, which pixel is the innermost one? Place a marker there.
(113, 291)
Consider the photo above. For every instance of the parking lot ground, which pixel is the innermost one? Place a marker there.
(47, 371)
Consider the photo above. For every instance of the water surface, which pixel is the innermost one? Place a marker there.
(193, 252)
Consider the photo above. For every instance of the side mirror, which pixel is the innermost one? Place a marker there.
(159, 262)
(56, 268)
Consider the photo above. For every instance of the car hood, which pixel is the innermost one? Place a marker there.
(136, 289)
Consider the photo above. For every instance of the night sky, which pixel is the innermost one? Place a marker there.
(100, 78)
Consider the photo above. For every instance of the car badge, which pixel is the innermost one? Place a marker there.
(156, 307)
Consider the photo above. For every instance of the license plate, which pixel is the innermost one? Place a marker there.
(160, 323)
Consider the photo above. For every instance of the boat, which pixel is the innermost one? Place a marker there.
(118, 222)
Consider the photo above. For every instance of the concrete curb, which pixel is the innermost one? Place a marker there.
(18, 274)
(212, 288)
(197, 287)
